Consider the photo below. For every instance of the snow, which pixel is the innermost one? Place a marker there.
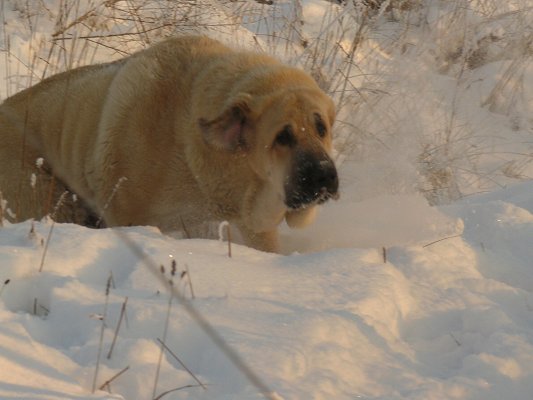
(437, 319)
(384, 297)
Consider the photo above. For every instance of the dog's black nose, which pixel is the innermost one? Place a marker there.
(325, 177)
(313, 179)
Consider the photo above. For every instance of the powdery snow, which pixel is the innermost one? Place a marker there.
(435, 320)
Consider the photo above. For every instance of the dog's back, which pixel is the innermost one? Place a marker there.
(37, 127)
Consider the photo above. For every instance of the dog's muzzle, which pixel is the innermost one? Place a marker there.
(313, 180)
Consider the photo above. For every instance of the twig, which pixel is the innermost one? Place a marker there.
(185, 230)
(108, 286)
(229, 240)
(181, 363)
(2, 205)
(77, 21)
(112, 280)
(32, 234)
(457, 342)
(50, 195)
(174, 390)
(225, 224)
(45, 250)
(6, 282)
(384, 252)
(111, 35)
(46, 310)
(122, 312)
(106, 383)
(109, 199)
(167, 319)
(440, 240)
(189, 280)
(56, 208)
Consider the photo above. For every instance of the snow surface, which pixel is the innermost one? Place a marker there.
(436, 320)
(384, 297)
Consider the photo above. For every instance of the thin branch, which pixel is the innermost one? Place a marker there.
(189, 280)
(122, 313)
(100, 342)
(174, 390)
(181, 363)
(106, 383)
(440, 240)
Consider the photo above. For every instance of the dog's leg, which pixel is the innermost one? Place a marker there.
(264, 241)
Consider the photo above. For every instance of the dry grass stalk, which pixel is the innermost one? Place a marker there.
(100, 342)
(184, 228)
(174, 390)
(110, 199)
(181, 363)
(107, 383)
(6, 282)
(189, 280)
(442, 239)
(47, 243)
(229, 240)
(167, 320)
(122, 315)
(45, 309)
(457, 342)
(224, 225)
(3, 205)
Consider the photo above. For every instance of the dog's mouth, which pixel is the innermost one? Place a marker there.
(324, 196)
(300, 201)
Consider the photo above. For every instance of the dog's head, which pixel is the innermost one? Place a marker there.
(286, 136)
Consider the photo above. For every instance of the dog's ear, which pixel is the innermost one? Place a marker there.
(228, 130)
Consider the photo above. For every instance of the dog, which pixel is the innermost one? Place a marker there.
(185, 131)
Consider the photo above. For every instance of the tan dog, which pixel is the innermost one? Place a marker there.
(200, 131)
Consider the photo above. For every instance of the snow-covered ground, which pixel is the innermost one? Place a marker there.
(384, 297)
(346, 319)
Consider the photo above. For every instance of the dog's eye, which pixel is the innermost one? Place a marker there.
(286, 137)
(320, 126)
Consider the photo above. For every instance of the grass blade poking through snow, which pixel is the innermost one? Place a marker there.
(167, 319)
(225, 224)
(174, 390)
(2, 206)
(6, 282)
(122, 314)
(108, 382)
(56, 208)
(189, 280)
(181, 363)
(103, 317)
(110, 199)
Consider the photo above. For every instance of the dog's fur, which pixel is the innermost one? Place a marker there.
(200, 131)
